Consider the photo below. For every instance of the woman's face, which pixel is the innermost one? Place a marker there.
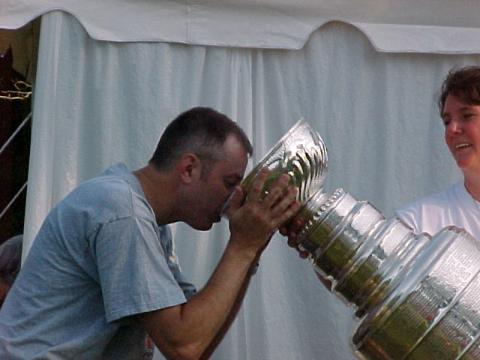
(462, 133)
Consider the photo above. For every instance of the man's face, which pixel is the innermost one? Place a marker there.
(214, 188)
(462, 133)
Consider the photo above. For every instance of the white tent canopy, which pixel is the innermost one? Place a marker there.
(430, 26)
(366, 82)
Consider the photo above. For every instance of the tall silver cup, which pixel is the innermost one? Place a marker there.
(417, 296)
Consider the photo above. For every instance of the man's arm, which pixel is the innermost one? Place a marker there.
(233, 312)
(193, 329)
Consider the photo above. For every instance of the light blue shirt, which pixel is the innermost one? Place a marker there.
(98, 258)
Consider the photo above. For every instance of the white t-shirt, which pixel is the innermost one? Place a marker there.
(453, 206)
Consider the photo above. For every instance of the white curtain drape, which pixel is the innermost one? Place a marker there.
(98, 102)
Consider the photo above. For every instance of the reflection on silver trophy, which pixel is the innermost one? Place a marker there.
(417, 296)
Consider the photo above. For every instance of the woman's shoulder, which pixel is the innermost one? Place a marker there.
(438, 199)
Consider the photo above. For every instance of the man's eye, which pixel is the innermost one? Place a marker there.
(230, 184)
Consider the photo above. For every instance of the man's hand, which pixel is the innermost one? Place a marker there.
(291, 230)
(254, 217)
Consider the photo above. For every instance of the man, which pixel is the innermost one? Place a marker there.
(101, 271)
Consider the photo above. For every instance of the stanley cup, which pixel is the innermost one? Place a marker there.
(417, 296)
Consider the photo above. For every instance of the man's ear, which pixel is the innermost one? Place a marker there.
(189, 167)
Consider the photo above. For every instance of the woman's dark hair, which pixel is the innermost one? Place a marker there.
(463, 83)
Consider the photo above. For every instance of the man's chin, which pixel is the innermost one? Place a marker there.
(206, 226)
(203, 227)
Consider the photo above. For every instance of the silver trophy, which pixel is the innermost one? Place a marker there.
(417, 296)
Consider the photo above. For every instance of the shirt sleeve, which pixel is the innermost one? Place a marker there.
(410, 216)
(133, 268)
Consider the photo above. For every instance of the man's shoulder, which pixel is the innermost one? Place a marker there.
(113, 194)
(105, 189)
(105, 185)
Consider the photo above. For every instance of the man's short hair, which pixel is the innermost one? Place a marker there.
(200, 130)
(463, 83)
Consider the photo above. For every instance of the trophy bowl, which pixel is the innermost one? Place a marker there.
(300, 153)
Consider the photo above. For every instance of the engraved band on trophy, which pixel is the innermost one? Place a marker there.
(417, 296)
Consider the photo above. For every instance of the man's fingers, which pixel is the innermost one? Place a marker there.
(235, 201)
(283, 230)
(255, 193)
(294, 243)
(277, 192)
(284, 204)
(287, 213)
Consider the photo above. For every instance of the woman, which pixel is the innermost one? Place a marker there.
(458, 205)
